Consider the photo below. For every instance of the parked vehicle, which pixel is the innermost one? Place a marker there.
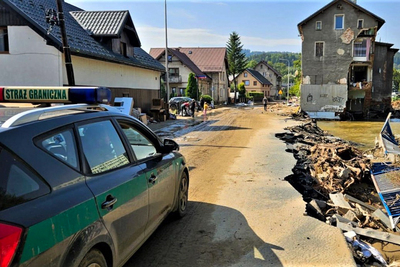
(176, 102)
(82, 185)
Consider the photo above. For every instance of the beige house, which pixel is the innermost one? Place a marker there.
(211, 61)
(180, 66)
(254, 81)
(272, 75)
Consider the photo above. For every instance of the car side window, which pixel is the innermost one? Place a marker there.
(102, 146)
(18, 183)
(61, 144)
(140, 144)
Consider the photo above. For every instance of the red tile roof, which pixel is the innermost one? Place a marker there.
(208, 59)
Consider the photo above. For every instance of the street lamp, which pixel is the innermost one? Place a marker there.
(288, 64)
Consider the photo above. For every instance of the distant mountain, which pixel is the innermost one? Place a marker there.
(273, 57)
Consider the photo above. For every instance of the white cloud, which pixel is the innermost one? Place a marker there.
(152, 37)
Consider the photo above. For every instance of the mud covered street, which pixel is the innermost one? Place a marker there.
(242, 211)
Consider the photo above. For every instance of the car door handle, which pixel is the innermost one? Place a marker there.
(109, 203)
(152, 179)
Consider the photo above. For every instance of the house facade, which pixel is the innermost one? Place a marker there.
(211, 61)
(32, 55)
(344, 68)
(254, 81)
(272, 75)
(179, 67)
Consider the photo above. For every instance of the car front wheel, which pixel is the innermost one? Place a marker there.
(182, 200)
(94, 258)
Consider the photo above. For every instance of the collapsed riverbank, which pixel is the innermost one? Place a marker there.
(335, 180)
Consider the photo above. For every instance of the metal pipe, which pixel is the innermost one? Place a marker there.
(66, 49)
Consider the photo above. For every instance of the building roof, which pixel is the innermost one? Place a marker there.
(208, 59)
(270, 67)
(259, 77)
(107, 23)
(186, 61)
(349, 2)
(81, 33)
(388, 45)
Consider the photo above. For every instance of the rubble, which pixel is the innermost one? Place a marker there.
(335, 180)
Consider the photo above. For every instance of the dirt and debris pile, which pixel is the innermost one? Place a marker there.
(325, 164)
(335, 180)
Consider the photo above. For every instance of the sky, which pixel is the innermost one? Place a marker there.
(263, 25)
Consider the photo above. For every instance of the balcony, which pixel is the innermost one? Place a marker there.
(175, 79)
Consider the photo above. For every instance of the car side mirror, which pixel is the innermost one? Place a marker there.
(170, 145)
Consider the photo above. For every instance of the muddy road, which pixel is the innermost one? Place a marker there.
(241, 211)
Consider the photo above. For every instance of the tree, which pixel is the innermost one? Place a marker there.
(237, 60)
(251, 64)
(295, 89)
(192, 88)
(396, 80)
(241, 90)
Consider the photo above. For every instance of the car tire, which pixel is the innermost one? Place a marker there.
(182, 198)
(93, 258)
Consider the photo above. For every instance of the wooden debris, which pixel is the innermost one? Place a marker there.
(355, 200)
(384, 236)
(380, 215)
(339, 201)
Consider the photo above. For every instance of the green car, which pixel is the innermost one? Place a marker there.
(82, 184)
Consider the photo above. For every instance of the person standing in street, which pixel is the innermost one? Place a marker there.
(265, 102)
(205, 107)
(193, 107)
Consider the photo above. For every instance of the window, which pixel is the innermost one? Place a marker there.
(360, 48)
(141, 146)
(360, 24)
(246, 82)
(3, 40)
(339, 22)
(102, 146)
(245, 74)
(261, 66)
(173, 72)
(18, 183)
(123, 49)
(61, 145)
(318, 25)
(255, 83)
(169, 58)
(319, 49)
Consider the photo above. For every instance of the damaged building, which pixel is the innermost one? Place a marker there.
(344, 67)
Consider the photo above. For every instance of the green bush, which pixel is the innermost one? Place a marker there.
(256, 96)
(207, 98)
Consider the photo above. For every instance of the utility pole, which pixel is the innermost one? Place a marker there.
(288, 64)
(166, 54)
(66, 50)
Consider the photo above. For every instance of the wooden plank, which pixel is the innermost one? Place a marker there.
(384, 236)
(343, 220)
(379, 214)
(355, 200)
(339, 201)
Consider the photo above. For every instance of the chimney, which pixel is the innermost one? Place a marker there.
(354, 1)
